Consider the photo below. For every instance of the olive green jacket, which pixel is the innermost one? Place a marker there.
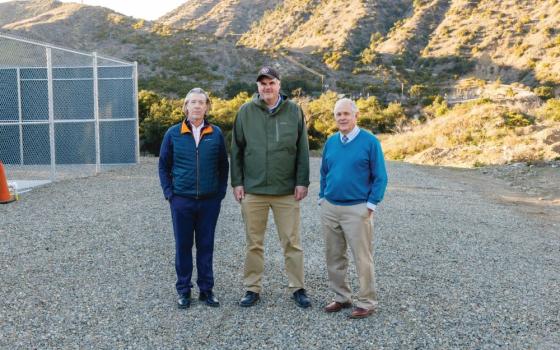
(269, 151)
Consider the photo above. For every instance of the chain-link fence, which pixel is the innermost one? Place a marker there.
(64, 113)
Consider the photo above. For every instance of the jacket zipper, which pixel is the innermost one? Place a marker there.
(197, 173)
(277, 139)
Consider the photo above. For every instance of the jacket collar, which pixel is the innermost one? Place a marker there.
(262, 105)
(186, 127)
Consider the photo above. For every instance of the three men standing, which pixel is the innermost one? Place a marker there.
(353, 182)
(270, 170)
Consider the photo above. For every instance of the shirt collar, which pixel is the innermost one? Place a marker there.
(197, 127)
(352, 134)
(271, 109)
(186, 126)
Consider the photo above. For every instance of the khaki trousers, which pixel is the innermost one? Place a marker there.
(285, 209)
(349, 226)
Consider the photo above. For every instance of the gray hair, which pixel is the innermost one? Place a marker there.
(197, 90)
(346, 100)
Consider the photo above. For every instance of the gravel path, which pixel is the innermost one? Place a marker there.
(88, 263)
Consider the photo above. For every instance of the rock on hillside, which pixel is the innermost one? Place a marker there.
(218, 17)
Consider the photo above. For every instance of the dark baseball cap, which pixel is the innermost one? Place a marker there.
(268, 71)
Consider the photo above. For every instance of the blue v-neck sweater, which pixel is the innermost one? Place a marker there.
(354, 172)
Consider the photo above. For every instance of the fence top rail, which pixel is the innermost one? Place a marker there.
(131, 65)
(89, 54)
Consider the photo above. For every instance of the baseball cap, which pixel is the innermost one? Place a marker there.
(268, 71)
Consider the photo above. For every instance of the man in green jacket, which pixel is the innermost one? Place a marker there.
(270, 170)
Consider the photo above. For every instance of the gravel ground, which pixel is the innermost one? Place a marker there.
(88, 263)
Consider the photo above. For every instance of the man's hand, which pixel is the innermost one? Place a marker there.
(300, 192)
(239, 193)
(370, 213)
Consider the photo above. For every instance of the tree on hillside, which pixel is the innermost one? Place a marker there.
(146, 98)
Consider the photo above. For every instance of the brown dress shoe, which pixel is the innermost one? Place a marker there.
(359, 312)
(335, 306)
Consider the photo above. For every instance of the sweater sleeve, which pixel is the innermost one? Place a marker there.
(302, 163)
(324, 170)
(165, 166)
(237, 152)
(378, 174)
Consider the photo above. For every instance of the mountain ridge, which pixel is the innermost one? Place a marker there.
(364, 46)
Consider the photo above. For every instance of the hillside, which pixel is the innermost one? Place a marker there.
(218, 17)
(170, 60)
(480, 133)
(513, 40)
(308, 25)
(12, 11)
(382, 47)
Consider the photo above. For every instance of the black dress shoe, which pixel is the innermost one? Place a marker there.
(301, 299)
(209, 298)
(184, 300)
(249, 299)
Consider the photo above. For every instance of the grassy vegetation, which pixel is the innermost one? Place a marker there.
(478, 133)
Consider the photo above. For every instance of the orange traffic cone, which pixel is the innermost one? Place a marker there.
(5, 196)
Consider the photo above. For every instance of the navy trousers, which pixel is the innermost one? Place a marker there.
(194, 220)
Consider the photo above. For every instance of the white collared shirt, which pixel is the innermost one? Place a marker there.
(196, 132)
(351, 135)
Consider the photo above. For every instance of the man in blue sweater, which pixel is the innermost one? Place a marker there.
(353, 182)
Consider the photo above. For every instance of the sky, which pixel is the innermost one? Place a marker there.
(146, 9)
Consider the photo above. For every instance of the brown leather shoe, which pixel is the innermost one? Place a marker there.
(335, 306)
(359, 312)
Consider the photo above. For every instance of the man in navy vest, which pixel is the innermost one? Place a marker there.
(353, 182)
(193, 170)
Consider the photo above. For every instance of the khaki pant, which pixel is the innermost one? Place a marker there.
(255, 210)
(349, 226)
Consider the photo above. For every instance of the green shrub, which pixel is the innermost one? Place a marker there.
(233, 88)
(438, 108)
(319, 113)
(551, 110)
(393, 118)
(332, 59)
(369, 55)
(544, 92)
(223, 111)
(161, 116)
(513, 119)
(307, 84)
(146, 99)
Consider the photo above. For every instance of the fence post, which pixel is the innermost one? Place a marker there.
(96, 115)
(51, 112)
(20, 117)
(137, 128)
